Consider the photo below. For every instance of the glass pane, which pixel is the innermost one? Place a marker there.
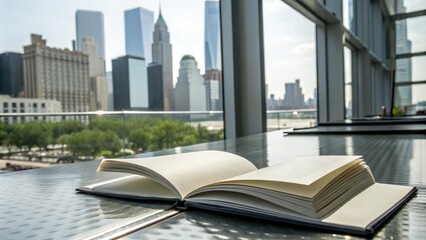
(290, 64)
(348, 15)
(411, 35)
(411, 69)
(406, 6)
(71, 46)
(348, 82)
(410, 100)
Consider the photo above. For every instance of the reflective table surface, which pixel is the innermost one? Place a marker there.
(43, 204)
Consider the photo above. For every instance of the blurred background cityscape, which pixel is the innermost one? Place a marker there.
(82, 80)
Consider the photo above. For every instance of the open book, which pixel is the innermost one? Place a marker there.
(332, 192)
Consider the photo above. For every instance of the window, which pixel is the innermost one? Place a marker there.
(410, 77)
(348, 15)
(290, 65)
(403, 6)
(411, 35)
(348, 82)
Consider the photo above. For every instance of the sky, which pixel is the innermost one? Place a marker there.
(55, 20)
(288, 36)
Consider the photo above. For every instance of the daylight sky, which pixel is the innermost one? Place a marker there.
(289, 37)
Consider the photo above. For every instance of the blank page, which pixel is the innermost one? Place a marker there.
(189, 171)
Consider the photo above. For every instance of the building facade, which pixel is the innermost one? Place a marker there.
(213, 82)
(11, 74)
(212, 35)
(155, 86)
(98, 82)
(27, 105)
(56, 74)
(130, 83)
(190, 89)
(90, 24)
(139, 26)
(162, 54)
(293, 98)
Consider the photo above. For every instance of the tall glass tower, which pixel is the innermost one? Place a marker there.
(212, 35)
(139, 26)
(403, 95)
(90, 24)
(162, 54)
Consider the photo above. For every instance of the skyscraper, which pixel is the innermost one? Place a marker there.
(130, 82)
(96, 62)
(293, 97)
(98, 82)
(57, 74)
(403, 94)
(190, 88)
(90, 24)
(162, 54)
(213, 82)
(11, 74)
(155, 86)
(139, 26)
(212, 35)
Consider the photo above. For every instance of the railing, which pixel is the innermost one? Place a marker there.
(123, 125)
(276, 119)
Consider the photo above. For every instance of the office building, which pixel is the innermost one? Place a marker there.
(162, 54)
(98, 82)
(190, 89)
(110, 91)
(90, 24)
(293, 97)
(27, 105)
(96, 62)
(56, 74)
(130, 83)
(155, 86)
(11, 74)
(139, 26)
(212, 35)
(213, 82)
(98, 87)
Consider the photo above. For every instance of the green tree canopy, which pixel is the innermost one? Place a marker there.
(92, 142)
(169, 134)
(37, 134)
(105, 124)
(140, 138)
(67, 127)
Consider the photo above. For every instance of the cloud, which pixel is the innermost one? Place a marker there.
(304, 48)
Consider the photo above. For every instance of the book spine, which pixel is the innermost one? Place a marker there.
(180, 205)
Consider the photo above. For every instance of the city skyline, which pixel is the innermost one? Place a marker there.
(185, 40)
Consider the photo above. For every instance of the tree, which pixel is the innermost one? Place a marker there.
(67, 127)
(37, 134)
(79, 143)
(140, 139)
(63, 141)
(169, 133)
(104, 124)
(3, 132)
(16, 136)
(91, 143)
